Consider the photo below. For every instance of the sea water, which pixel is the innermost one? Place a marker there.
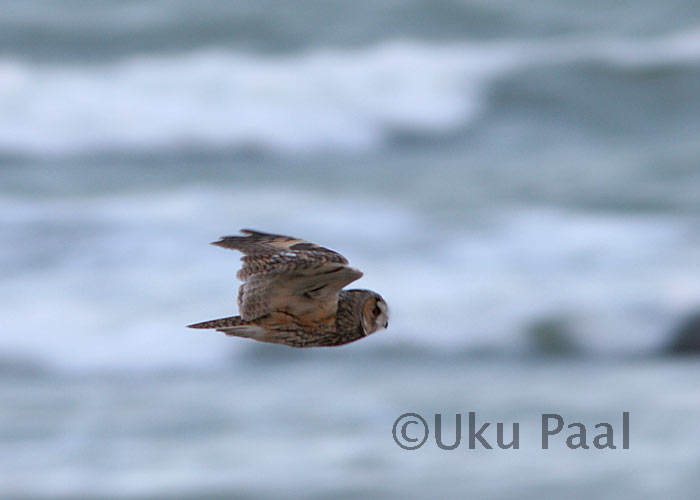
(518, 181)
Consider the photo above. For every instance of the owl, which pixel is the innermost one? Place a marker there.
(292, 294)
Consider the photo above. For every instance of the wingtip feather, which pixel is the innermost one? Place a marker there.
(225, 241)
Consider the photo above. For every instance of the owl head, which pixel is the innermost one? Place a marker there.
(375, 312)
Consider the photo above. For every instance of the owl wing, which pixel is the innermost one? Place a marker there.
(288, 275)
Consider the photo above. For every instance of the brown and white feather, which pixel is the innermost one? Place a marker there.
(290, 292)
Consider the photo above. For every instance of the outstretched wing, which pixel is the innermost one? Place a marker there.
(288, 275)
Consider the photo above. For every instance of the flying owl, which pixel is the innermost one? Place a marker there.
(292, 294)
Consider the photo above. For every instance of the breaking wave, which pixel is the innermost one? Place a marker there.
(321, 99)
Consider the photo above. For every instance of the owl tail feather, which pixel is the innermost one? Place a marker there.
(229, 322)
(234, 326)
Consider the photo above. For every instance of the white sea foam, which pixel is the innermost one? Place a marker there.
(350, 99)
(114, 283)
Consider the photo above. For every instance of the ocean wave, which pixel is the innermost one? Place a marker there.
(355, 100)
(115, 278)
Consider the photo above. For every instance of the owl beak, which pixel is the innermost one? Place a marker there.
(386, 323)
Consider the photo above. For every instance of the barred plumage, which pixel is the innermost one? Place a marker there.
(292, 294)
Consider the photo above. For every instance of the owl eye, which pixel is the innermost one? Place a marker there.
(376, 311)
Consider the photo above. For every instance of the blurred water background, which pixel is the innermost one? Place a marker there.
(520, 181)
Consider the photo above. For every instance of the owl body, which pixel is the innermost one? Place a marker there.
(292, 294)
